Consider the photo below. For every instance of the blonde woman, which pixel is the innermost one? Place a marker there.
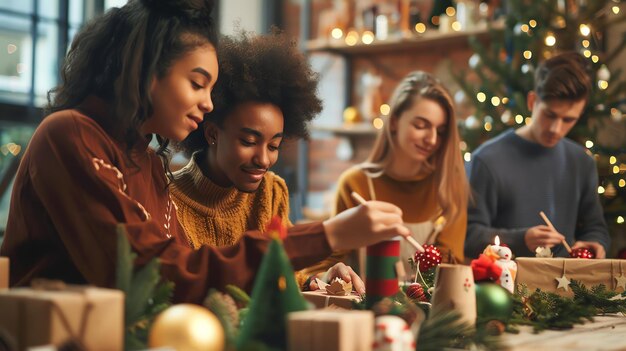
(416, 164)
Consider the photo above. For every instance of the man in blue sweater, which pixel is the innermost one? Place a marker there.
(534, 168)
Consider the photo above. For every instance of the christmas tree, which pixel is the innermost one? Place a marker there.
(533, 31)
(274, 295)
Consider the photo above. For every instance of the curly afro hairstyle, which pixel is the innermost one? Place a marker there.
(267, 69)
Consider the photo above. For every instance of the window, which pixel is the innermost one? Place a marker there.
(34, 36)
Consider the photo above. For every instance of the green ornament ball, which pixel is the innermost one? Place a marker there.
(493, 302)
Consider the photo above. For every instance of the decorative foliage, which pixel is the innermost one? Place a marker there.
(445, 331)
(225, 309)
(146, 294)
(544, 310)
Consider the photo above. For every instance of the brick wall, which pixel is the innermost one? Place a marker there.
(438, 59)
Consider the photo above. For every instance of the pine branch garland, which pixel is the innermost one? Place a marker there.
(445, 330)
(545, 310)
(599, 297)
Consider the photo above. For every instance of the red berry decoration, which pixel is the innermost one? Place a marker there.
(428, 259)
(582, 253)
(415, 291)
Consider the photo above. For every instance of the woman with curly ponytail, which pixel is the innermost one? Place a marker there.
(145, 69)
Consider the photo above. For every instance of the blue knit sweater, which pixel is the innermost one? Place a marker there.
(513, 179)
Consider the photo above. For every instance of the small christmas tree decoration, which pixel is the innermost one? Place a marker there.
(493, 302)
(187, 327)
(431, 257)
(274, 295)
(582, 253)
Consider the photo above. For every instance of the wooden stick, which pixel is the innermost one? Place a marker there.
(358, 198)
(545, 219)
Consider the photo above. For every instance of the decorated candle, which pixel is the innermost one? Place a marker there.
(503, 257)
(382, 278)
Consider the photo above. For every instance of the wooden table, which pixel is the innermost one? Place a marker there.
(605, 333)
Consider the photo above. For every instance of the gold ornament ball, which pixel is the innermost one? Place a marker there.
(187, 327)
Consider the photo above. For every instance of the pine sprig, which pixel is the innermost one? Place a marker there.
(146, 294)
(240, 296)
(544, 310)
(599, 297)
(445, 330)
(225, 309)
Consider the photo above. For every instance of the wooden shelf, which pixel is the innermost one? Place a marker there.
(348, 130)
(430, 38)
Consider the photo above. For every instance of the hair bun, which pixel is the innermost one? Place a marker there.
(192, 9)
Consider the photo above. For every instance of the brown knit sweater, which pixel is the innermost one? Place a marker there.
(217, 216)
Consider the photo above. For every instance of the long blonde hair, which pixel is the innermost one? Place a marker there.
(446, 162)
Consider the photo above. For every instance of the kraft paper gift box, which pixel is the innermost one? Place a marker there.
(4, 273)
(321, 299)
(542, 273)
(93, 316)
(330, 330)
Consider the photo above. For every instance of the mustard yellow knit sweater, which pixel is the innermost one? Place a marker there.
(217, 216)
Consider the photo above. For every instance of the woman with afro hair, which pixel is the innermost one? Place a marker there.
(265, 95)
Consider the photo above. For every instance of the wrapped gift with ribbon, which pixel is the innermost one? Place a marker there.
(56, 314)
(382, 277)
(555, 274)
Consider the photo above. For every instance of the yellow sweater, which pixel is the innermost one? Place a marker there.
(417, 198)
(216, 216)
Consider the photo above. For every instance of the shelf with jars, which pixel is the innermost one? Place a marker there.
(354, 43)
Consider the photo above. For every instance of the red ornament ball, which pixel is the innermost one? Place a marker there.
(431, 257)
(415, 291)
(582, 253)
